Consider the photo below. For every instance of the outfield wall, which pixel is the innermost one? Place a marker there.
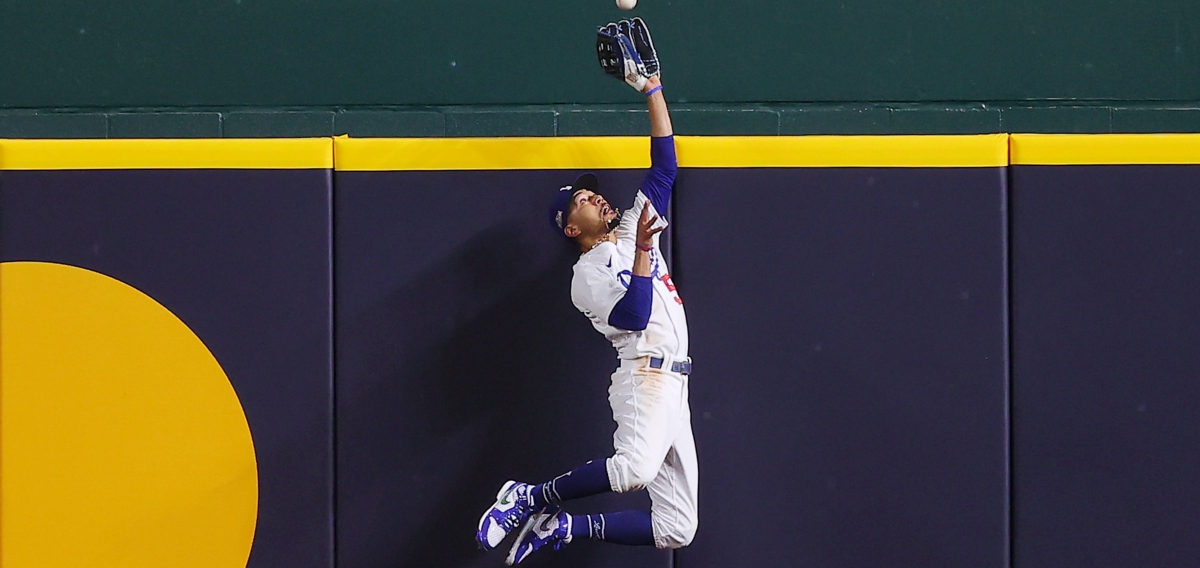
(910, 351)
(470, 68)
(273, 53)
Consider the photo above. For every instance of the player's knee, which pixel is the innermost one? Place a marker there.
(679, 535)
(633, 473)
(642, 473)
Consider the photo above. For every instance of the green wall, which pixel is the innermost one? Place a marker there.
(470, 67)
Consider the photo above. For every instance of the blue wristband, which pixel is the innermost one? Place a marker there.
(654, 90)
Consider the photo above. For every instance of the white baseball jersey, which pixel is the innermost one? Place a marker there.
(601, 278)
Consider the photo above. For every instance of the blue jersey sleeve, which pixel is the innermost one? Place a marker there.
(632, 312)
(661, 176)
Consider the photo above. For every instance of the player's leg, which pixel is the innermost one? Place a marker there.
(671, 523)
(638, 452)
(590, 478)
(646, 403)
(517, 502)
(673, 494)
(555, 528)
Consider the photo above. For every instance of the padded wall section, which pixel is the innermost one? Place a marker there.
(243, 258)
(461, 363)
(190, 53)
(1106, 405)
(849, 394)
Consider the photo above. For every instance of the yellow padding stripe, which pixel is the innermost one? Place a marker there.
(1099, 149)
(986, 150)
(388, 154)
(393, 154)
(226, 153)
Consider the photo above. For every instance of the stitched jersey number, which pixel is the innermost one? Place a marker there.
(666, 279)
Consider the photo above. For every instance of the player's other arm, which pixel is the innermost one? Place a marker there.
(663, 164)
(632, 311)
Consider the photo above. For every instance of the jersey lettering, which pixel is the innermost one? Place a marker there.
(666, 280)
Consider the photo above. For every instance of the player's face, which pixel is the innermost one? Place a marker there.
(590, 213)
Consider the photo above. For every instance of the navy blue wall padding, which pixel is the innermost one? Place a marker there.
(243, 258)
(848, 330)
(461, 363)
(1106, 402)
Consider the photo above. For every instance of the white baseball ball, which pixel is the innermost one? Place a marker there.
(626, 4)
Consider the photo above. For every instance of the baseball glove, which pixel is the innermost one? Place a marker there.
(640, 34)
(619, 57)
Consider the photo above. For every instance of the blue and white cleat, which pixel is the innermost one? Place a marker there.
(512, 508)
(548, 527)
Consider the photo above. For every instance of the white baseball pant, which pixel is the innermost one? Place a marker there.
(654, 446)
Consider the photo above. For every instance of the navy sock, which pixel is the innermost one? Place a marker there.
(590, 478)
(626, 527)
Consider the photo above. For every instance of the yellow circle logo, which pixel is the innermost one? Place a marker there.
(122, 442)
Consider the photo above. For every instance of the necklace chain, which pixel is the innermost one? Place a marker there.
(602, 240)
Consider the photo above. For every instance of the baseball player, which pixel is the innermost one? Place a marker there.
(622, 284)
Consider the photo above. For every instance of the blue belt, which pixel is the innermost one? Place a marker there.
(681, 367)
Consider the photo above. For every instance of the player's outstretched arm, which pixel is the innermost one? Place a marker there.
(660, 119)
(660, 178)
(626, 52)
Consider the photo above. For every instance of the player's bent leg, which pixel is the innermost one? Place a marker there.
(633, 528)
(673, 494)
(516, 502)
(629, 471)
(673, 507)
(646, 407)
(556, 529)
(675, 533)
(588, 479)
